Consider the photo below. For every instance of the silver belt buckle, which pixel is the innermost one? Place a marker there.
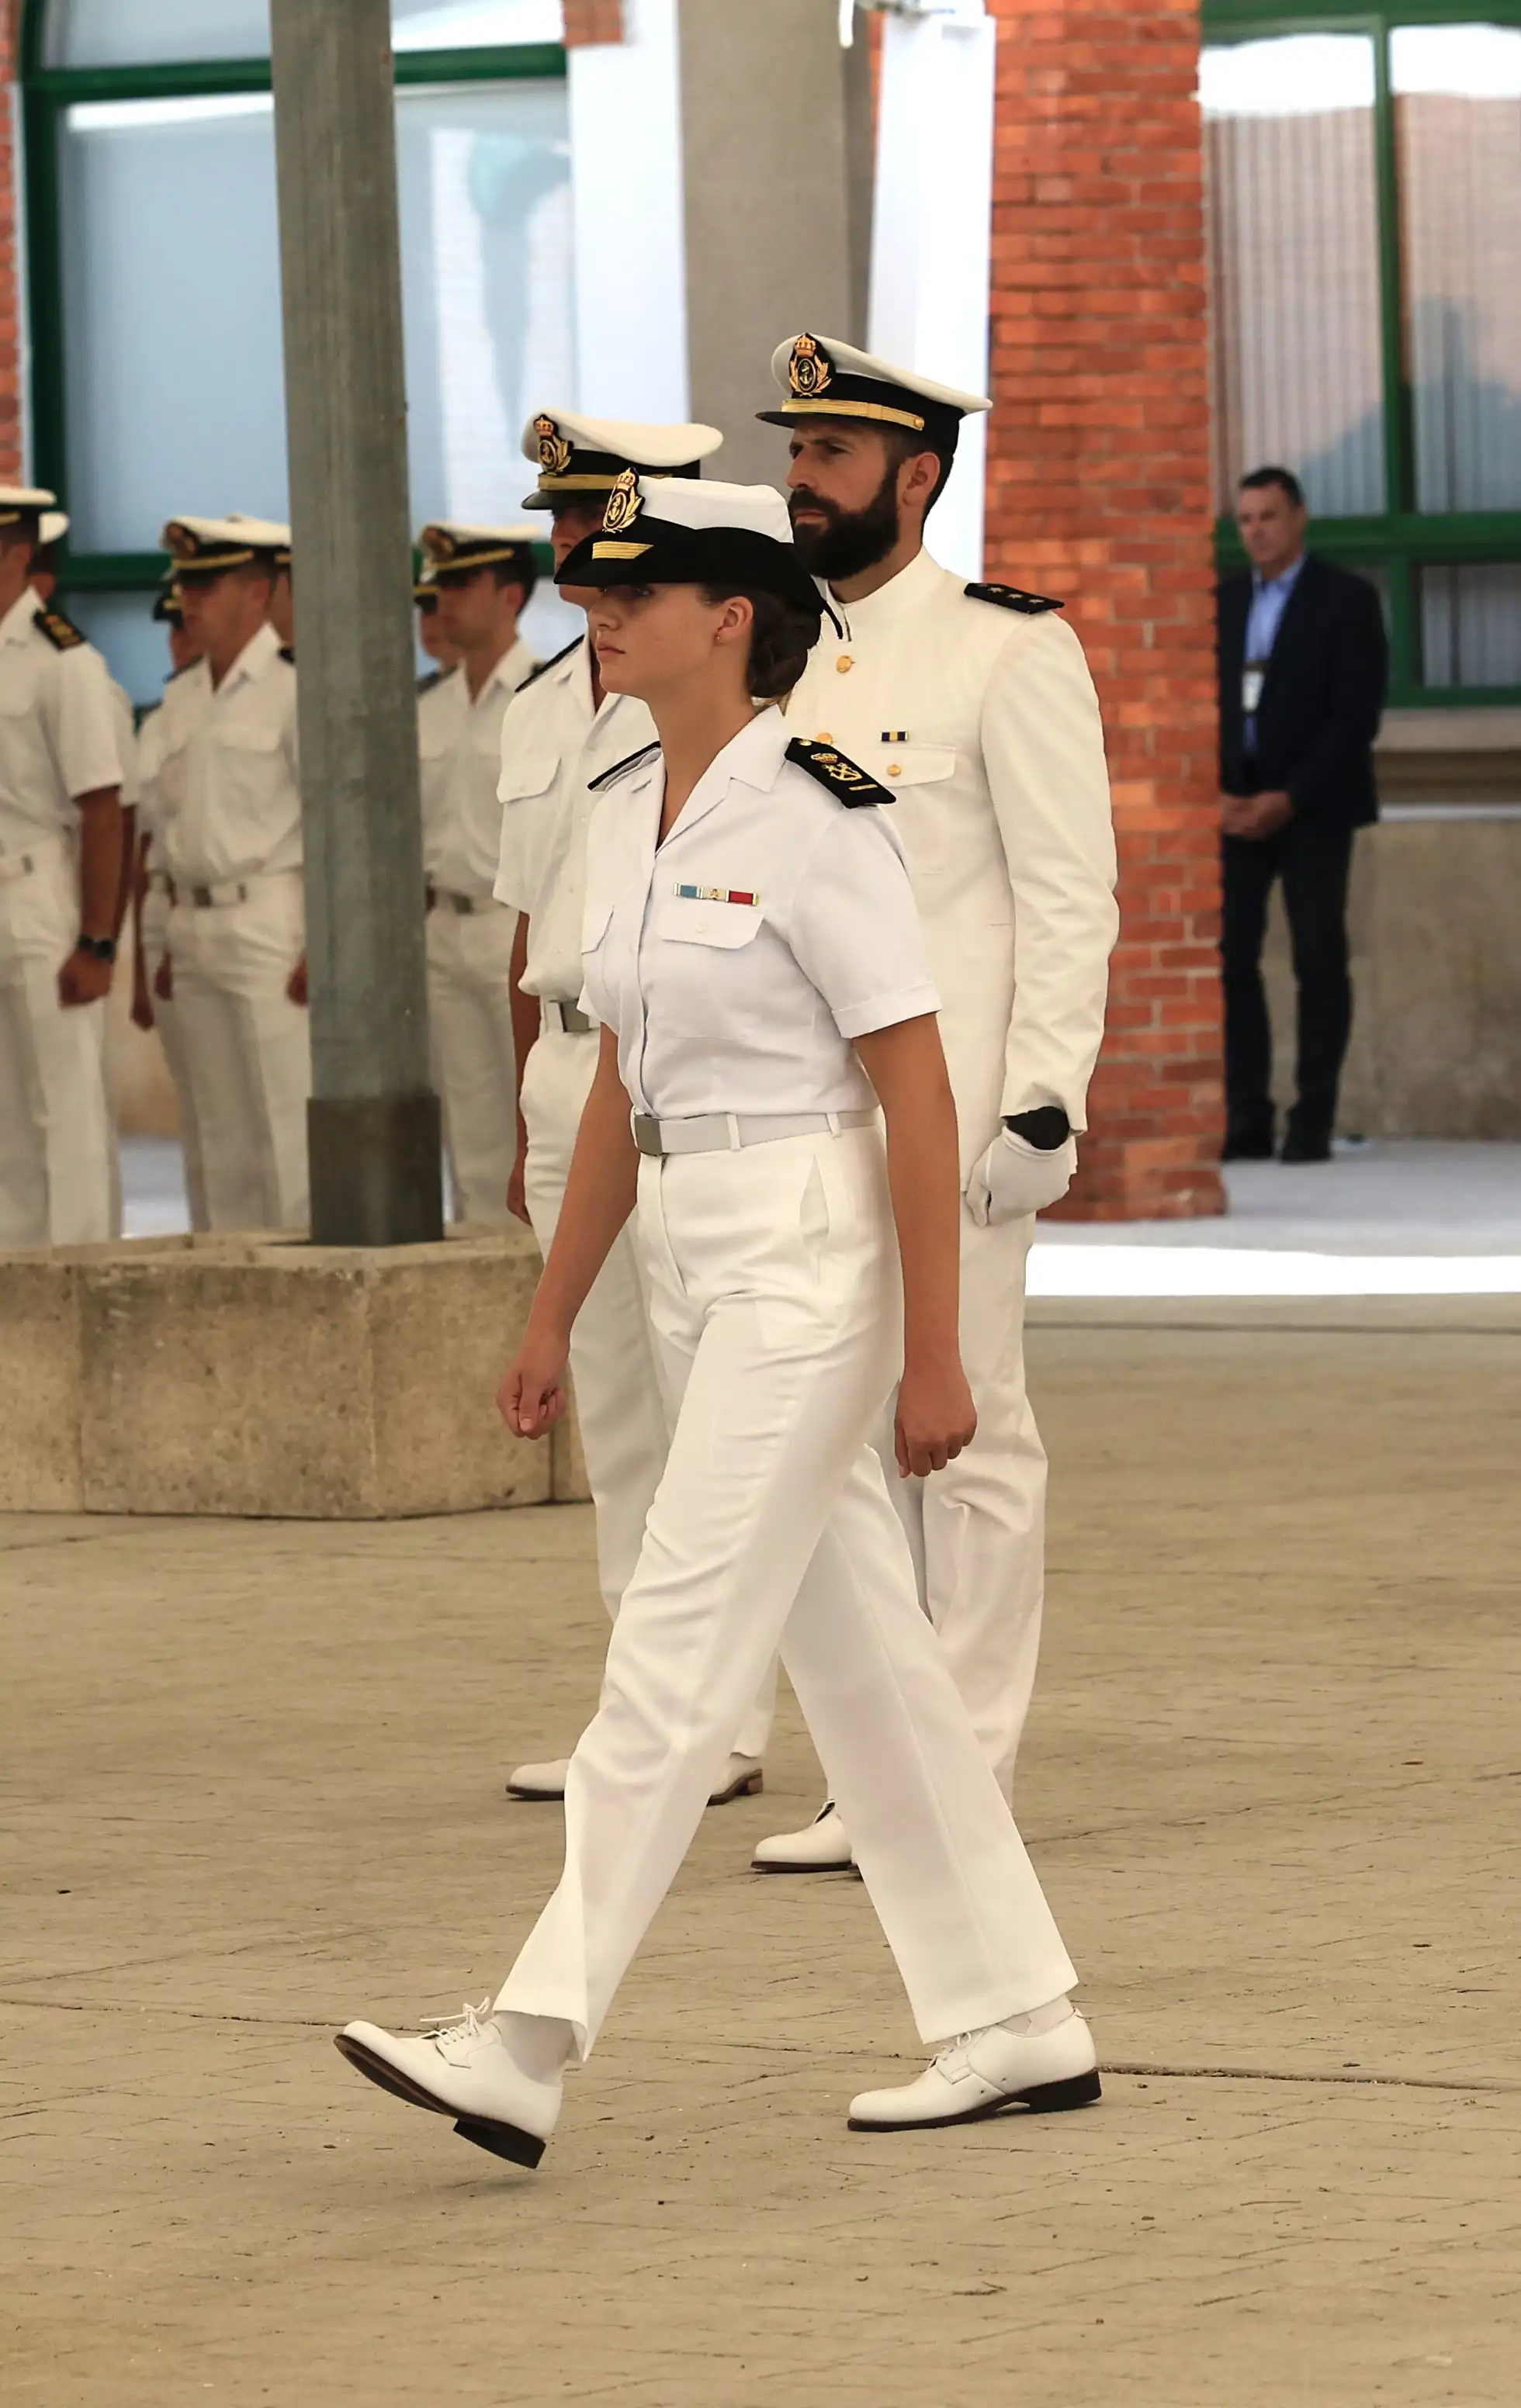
(464, 905)
(647, 1135)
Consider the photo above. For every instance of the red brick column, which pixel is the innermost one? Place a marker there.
(10, 343)
(1098, 490)
(592, 21)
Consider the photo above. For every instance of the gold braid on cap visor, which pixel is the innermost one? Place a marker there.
(832, 409)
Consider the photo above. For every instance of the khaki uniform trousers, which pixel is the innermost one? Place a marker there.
(624, 1430)
(155, 944)
(58, 1178)
(247, 1049)
(470, 1020)
(775, 1292)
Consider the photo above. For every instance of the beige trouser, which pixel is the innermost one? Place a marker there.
(155, 944)
(57, 1142)
(470, 1017)
(247, 1049)
(774, 1285)
(624, 1427)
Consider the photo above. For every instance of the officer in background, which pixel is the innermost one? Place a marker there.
(484, 577)
(430, 635)
(561, 732)
(62, 848)
(972, 706)
(151, 902)
(231, 822)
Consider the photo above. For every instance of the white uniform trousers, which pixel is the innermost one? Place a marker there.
(624, 1431)
(57, 1138)
(470, 1017)
(155, 944)
(774, 1286)
(247, 1049)
(977, 1529)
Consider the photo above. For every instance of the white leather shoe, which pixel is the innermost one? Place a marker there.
(539, 1782)
(742, 1777)
(822, 1848)
(985, 2072)
(465, 2070)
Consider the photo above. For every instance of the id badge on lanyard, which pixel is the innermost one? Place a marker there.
(1252, 676)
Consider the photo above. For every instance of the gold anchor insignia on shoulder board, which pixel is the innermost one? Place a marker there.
(623, 502)
(553, 451)
(809, 370)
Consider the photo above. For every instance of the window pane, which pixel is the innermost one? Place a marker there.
(136, 648)
(487, 270)
(1470, 624)
(171, 315)
(145, 32)
(1293, 217)
(1457, 114)
(152, 32)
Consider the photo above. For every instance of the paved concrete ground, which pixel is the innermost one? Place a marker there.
(1274, 1784)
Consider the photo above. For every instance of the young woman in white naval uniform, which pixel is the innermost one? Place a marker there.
(752, 952)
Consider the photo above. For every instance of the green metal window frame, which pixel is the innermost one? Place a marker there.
(46, 93)
(1403, 541)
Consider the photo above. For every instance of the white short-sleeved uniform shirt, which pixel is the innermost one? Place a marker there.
(459, 740)
(737, 960)
(183, 694)
(126, 744)
(229, 780)
(59, 736)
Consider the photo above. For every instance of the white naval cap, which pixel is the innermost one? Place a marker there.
(674, 531)
(585, 455)
(53, 527)
(450, 547)
(823, 378)
(202, 547)
(19, 503)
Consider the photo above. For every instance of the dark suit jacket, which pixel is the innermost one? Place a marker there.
(1321, 698)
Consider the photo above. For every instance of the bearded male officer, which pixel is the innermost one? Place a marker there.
(972, 706)
(559, 733)
(484, 578)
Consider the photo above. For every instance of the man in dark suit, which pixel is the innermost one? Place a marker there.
(1303, 669)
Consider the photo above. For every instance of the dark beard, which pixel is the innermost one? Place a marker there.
(852, 540)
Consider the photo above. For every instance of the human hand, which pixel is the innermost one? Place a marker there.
(936, 1417)
(516, 1188)
(83, 979)
(531, 1397)
(1014, 1178)
(1255, 817)
(142, 1001)
(164, 980)
(296, 986)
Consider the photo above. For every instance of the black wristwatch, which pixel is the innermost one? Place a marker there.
(100, 949)
(1045, 1128)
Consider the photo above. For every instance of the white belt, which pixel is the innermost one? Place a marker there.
(21, 865)
(725, 1132)
(569, 1018)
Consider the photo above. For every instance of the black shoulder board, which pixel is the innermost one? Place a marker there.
(848, 785)
(430, 679)
(60, 632)
(555, 658)
(620, 768)
(287, 652)
(1013, 598)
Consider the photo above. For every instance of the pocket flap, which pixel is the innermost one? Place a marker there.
(526, 775)
(728, 925)
(912, 765)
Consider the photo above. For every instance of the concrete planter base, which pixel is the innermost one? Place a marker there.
(262, 1376)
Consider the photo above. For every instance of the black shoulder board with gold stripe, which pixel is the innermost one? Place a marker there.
(287, 652)
(848, 785)
(429, 679)
(620, 768)
(1013, 598)
(60, 632)
(554, 662)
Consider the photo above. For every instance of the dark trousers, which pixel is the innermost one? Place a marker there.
(1312, 858)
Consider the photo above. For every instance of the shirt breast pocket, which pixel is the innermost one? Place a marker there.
(726, 927)
(250, 763)
(523, 778)
(920, 773)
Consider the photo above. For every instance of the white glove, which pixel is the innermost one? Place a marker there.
(1014, 1177)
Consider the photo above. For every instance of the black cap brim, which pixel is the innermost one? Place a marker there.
(656, 551)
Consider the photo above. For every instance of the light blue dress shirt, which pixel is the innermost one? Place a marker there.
(1270, 600)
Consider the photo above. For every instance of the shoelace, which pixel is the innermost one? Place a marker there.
(952, 2048)
(470, 2024)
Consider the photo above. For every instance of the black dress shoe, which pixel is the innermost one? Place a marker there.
(1307, 1145)
(1248, 1146)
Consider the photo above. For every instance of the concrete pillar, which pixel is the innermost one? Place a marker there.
(1098, 490)
(373, 1120)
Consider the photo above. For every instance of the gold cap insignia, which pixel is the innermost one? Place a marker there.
(809, 370)
(182, 542)
(553, 451)
(438, 543)
(623, 502)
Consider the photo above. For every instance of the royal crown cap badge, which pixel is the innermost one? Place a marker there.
(809, 369)
(623, 502)
(553, 451)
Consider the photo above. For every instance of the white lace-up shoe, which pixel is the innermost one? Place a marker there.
(742, 1777)
(539, 1782)
(822, 1848)
(985, 2072)
(465, 2070)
